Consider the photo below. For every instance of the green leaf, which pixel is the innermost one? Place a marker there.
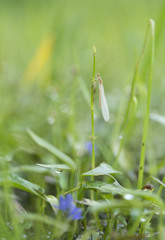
(115, 187)
(104, 187)
(41, 142)
(58, 167)
(46, 220)
(115, 203)
(30, 168)
(149, 196)
(88, 202)
(103, 169)
(14, 180)
(131, 203)
(84, 90)
(53, 201)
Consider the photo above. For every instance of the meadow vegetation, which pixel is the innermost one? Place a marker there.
(67, 170)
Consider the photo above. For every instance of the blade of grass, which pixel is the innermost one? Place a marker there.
(147, 113)
(92, 113)
(41, 142)
(131, 99)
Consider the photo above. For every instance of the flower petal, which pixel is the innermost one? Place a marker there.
(66, 205)
(75, 213)
(69, 201)
(62, 204)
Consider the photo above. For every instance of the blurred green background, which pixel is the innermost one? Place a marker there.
(46, 68)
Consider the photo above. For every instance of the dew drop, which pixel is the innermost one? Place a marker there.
(51, 120)
(128, 196)
(24, 236)
(142, 219)
(120, 137)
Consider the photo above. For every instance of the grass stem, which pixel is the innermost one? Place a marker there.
(92, 112)
(146, 118)
(132, 93)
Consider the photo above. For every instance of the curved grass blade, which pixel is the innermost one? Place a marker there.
(58, 167)
(114, 203)
(41, 142)
(116, 188)
(15, 181)
(30, 168)
(155, 179)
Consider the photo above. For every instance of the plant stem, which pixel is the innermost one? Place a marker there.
(92, 113)
(129, 105)
(92, 108)
(146, 119)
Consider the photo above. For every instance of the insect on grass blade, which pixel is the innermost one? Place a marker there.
(102, 99)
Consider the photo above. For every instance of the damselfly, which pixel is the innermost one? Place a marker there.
(102, 100)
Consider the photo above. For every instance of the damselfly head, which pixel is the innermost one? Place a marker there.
(99, 78)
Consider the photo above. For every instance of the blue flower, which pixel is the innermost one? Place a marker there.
(67, 206)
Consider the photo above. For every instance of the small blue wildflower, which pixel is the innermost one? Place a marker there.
(66, 205)
(88, 147)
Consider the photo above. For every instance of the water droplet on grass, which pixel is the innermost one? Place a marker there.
(120, 137)
(24, 236)
(128, 196)
(51, 120)
(142, 219)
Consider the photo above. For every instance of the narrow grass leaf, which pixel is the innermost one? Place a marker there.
(15, 181)
(87, 202)
(104, 187)
(28, 168)
(150, 197)
(147, 112)
(58, 167)
(84, 90)
(156, 180)
(116, 188)
(41, 142)
(46, 220)
(120, 204)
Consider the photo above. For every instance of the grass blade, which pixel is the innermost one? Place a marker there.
(62, 156)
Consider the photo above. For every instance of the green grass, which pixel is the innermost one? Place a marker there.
(48, 116)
